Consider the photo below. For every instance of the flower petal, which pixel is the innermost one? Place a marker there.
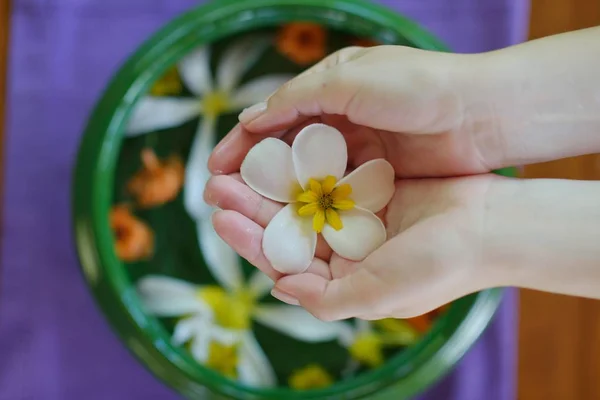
(194, 69)
(298, 323)
(199, 348)
(362, 233)
(257, 90)
(222, 261)
(154, 113)
(196, 170)
(238, 58)
(372, 184)
(319, 150)
(164, 296)
(289, 241)
(269, 170)
(254, 367)
(260, 284)
(187, 328)
(333, 219)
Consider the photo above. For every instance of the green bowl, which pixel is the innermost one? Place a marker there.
(107, 160)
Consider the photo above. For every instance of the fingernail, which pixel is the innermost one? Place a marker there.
(286, 298)
(251, 113)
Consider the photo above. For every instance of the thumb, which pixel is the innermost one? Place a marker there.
(326, 88)
(329, 300)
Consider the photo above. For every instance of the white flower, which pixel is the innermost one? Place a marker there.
(213, 99)
(310, 176)
(366, 345)
(210, 313)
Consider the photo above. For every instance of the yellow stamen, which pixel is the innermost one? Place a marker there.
(367, 349)
(323, 201)
(342, 192)
(168, 84)
(308, 197)
(215, 104)
(308, 210)
(333, 219)
(223, 359)
(315, 187)
(319, 221)
(328, 184)
(231, 310)
(312, 376)
(343, 204)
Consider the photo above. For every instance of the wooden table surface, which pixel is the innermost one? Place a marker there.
(559, 355)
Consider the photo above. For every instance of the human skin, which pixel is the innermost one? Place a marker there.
(443, 121)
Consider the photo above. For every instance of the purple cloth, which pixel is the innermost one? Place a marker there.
(55, 344)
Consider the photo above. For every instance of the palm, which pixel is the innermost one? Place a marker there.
(448, 153)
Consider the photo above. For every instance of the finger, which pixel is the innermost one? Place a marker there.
(329, 90)
(230, 193)
(330, 300)
(228, 154)
(245, 238)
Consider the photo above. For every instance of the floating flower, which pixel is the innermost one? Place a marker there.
(156, 182)
(134, 240)
(302, 42)
(309, 176)
(312, 376)
(366, 345)
(225, 313)
(168, 84)
(213, 98)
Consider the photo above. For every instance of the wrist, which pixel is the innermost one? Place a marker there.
(535, 102)
(543, 234)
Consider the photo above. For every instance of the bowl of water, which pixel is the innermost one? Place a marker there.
(191, 311)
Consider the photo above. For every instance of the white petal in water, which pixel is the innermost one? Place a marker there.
(269, 170)
(200, 346)
(238, 58)
(362, 234)
(260, 284)
(154, 113)
(187, 328)
(298, 323)
(289, 242)
(257, 90)
(196, 171)
(194, 69)
(165, 296)
(372, 184)
(319, 150)
(254, 367)
(222, 261)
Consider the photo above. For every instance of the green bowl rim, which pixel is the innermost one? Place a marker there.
(97, 156)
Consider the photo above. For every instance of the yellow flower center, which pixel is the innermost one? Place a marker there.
(168, 84)
(323, 200)
(312, 376)
(232, 310)
(215, 103)
(223, 358)
(398, 331)
(367, 349)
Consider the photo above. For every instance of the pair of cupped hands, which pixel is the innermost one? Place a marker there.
(393, 103)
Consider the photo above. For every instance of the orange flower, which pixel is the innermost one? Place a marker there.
(302, 42)
(134, 240)
(423, 323)
(363, 42)
(156, 182)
